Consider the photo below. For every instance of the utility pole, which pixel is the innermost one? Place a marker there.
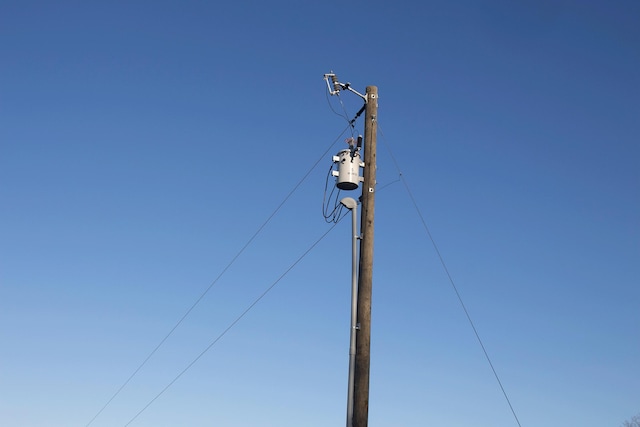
(349, 179)
(365, 277)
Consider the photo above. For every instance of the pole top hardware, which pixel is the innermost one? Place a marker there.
(337, 86)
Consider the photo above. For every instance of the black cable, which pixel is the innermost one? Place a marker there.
(446, 270)
(224, 270)
(358, 114)
(327, 200)
(219, 337)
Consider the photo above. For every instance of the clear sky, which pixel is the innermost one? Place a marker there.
(143, 144)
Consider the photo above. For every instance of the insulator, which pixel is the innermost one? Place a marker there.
(336, 85)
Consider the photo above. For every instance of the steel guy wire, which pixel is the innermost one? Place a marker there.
(237, 319)
(451, 281)
(224, 270)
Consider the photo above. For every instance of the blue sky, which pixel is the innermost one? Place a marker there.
(142, 144)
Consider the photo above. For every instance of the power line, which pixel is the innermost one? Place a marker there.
(345, 116)
(219, 337)
(451, 281)
(224, 270)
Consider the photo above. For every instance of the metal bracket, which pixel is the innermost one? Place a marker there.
(337, 86)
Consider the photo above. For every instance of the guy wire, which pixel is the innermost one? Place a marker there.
(224, 270)
(451, 281)
(237, 319)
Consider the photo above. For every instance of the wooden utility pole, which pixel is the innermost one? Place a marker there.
(365, 277)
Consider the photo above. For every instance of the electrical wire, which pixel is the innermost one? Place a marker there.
(327, 200)
(346, 115)
(237, 319)
(331, 206)
(451, 281)
(224, 270)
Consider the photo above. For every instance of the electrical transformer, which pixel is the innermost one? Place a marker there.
(348, 173)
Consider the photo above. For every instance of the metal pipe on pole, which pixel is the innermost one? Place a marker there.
(365, 277)
(351, 204)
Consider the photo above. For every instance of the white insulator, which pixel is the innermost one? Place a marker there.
(348, 172)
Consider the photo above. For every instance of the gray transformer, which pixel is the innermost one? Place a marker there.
(348, 172)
